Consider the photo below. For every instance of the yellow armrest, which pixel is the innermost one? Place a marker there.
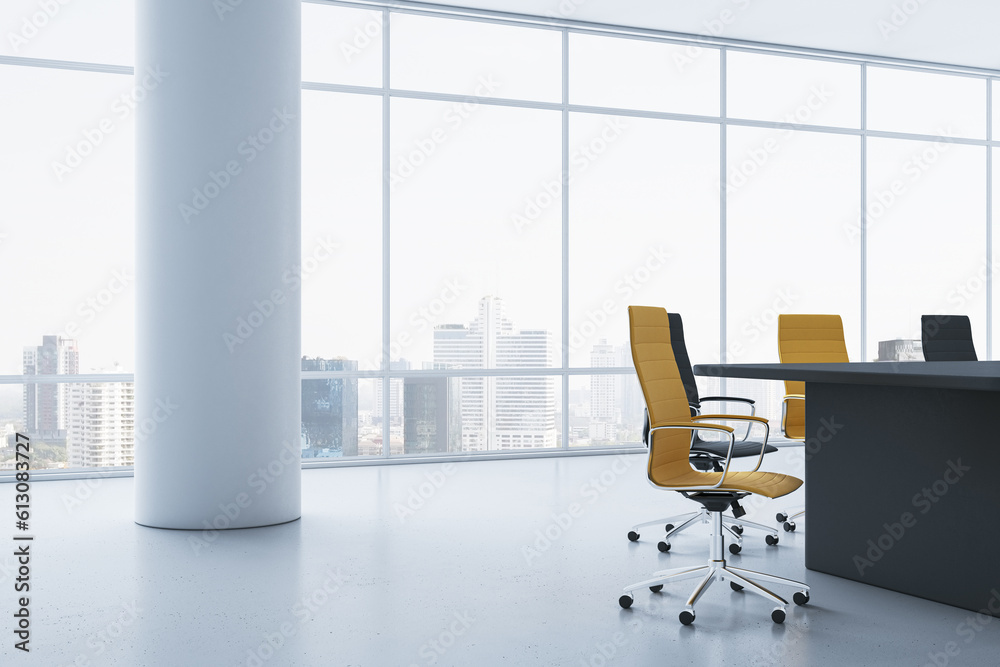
(693, 427)
(746, 418)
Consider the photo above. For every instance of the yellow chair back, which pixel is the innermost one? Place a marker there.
(807, 339)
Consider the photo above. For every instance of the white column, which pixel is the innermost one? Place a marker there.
(217, 392)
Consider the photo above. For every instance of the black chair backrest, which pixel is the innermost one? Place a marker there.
(683, 366)
(683, 361)
(946, 338)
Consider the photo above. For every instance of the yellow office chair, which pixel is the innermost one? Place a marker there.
(805, 339)
(669, 467)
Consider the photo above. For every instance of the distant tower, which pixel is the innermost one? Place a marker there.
(329, 410)
(45, 405)
(432, 415)
(603, 394)
(500, 412)
(101, 424)
(395, 394)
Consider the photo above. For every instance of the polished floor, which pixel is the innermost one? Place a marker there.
(515, 562)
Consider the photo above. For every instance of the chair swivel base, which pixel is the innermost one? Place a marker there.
(717, 570)
(732, 525)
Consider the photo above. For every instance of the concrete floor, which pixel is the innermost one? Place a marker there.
(432, 564)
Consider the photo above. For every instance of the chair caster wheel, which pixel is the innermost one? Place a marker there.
(771, 540)
(735, 548)
(625, 601)
(789, 526)
(668, 527)
(659, 587)
(735, 586)
(664, 547)
(801, 597)
(778, 615)
(781, 517)
(737, 529)
(686, 617)
(633, 536)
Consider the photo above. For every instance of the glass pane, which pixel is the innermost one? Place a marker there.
(606, 410)
(337, 417)
(792, 90)
(475, 283)
(995, 103)
(475, 58)
(341, 271)
(643, 74)
(995, 271)
(926, 237)
(791, 243)
(67, 215)
(923, 103)
(644, 229)
(96, 31)
(341, 45)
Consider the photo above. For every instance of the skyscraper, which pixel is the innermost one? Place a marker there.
(432, 415)
(101, 424)
(395, 395)
(500, 412)
(604, 417)
(45, 405)
(329, 410)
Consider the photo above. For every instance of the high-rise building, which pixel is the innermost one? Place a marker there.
(604, 417)
(395, 394)
(45, 405)
(900, 349)
(432, 415)
(329, 410)
(101, 424)
(500, 412)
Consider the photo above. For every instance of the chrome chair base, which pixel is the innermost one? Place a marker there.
(717, 570)
(731, 525)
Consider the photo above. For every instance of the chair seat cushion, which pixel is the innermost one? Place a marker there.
(767, 484)
(721, 448)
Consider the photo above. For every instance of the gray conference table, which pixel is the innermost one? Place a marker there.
(902, 474)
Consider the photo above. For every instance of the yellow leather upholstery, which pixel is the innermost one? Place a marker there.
(806, 339)
(666, 401)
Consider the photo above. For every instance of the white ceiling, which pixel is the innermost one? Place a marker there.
(957, 32)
